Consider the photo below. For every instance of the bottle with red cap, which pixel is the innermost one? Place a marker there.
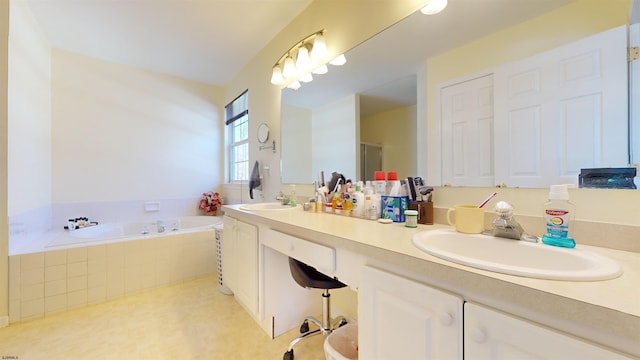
(393, 187)
(381, 184)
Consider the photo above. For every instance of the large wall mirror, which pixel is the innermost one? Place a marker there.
(388, 94)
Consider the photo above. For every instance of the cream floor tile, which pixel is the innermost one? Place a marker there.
(192, 320)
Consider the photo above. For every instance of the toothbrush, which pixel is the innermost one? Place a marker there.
(487, 200)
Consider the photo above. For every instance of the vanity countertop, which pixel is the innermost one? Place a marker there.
(611, 306)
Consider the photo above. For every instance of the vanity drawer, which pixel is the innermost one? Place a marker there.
(321, 257)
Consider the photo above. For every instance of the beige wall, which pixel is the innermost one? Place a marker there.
(4, 227)
(296, 145)
(396, 131)
(121, 133)
(335, 138)
(29, 159)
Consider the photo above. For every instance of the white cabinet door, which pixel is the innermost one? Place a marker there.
(240, 262)
(467, 133)
(229, 240)
(562, 110)
(247, 266)
(399, 318)
(493, 335)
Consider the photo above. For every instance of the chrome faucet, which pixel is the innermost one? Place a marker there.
(284, 199)
(161, 226)
(506, 226)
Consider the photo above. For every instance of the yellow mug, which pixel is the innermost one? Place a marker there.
(469, 219)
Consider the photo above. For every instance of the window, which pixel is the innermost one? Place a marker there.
(237, 120)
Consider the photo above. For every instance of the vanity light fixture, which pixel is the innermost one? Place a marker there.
(433, 7)
(309, 56)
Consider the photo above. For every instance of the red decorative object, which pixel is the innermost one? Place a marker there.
(210, 202)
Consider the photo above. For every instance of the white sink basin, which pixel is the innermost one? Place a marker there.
(268, 206)
(534, 260)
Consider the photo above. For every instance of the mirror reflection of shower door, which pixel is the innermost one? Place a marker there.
(370, 160)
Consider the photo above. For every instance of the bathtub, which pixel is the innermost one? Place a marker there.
(103, 262)
(135, 230)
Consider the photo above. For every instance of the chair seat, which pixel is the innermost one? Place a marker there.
(308, 277)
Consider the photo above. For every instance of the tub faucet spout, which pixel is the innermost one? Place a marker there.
(161, 226)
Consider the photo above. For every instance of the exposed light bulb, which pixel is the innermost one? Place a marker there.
(433, 7)
(289, 69)
(276, 76)
(339, 60)
(307, 77)
(323, 69)
(319, 50)
(294, 85)
(303, 62)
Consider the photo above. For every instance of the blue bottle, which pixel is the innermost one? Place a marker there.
(558, 215)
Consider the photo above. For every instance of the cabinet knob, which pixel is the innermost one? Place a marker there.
(446, 319)
(478, 335)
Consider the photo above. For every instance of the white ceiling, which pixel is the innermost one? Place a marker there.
(203, 40)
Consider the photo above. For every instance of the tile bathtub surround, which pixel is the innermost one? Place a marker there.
(191, 320)
(123, 211)
(33, 229)
(31, 222)
(46, 283)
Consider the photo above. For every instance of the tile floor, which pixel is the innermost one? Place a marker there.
(192, 320)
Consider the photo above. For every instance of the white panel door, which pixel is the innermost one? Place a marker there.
(491, 335)
(562, 110)
(467, 132)
(402, 319)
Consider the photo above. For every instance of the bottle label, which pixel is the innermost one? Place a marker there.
(557, 222)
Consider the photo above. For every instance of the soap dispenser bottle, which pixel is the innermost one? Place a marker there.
(292, 196)
(358, 201)
(558, 215)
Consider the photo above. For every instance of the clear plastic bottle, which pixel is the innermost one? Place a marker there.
(381, 184)
(392, 187)
(319, 202)
(558, 216)
(371, 207)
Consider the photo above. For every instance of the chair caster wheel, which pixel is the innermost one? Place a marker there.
(304, 328)
(288, 355)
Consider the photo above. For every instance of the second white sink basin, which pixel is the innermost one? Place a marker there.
(268, 206)
(535, 260)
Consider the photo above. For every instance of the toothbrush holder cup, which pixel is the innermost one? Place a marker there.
(468, 219)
